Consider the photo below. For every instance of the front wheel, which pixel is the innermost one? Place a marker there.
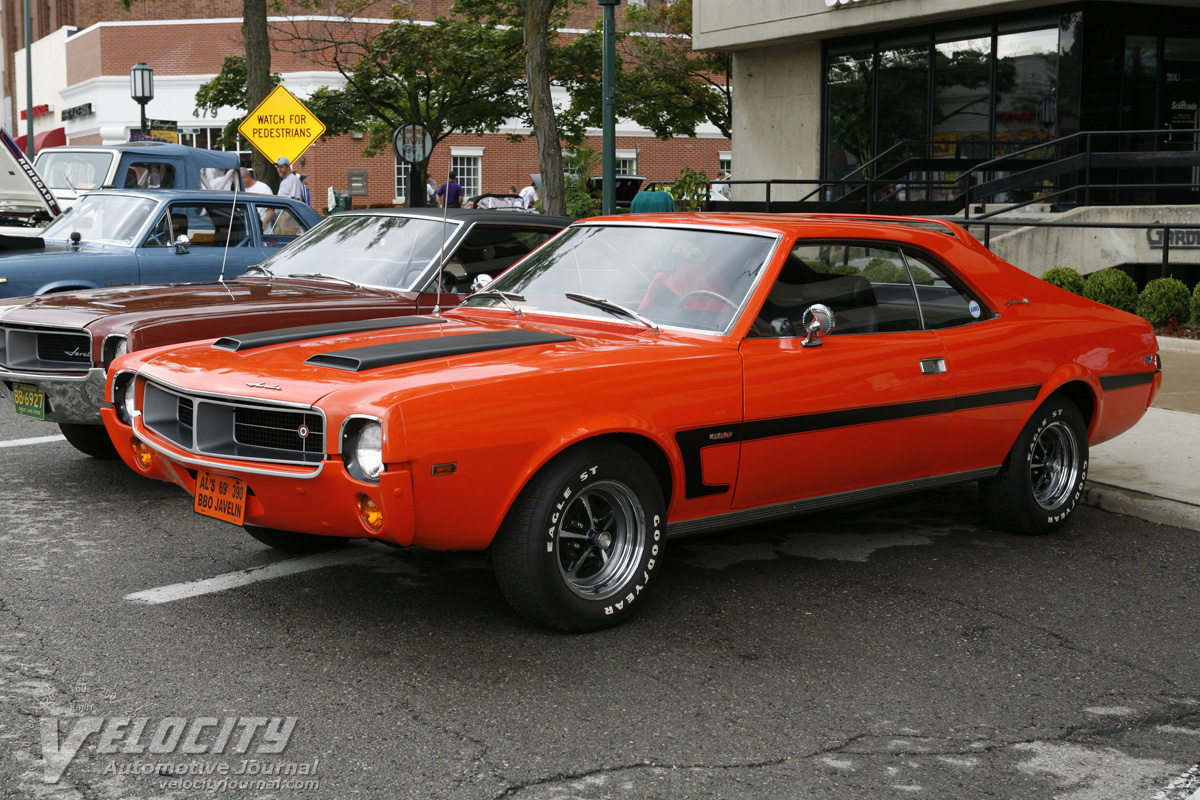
(90, 439)
(1041, 481)
(290, 542)
(583, 539)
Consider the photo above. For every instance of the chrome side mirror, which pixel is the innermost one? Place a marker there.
(817, 322)
(181, 244)
(481, 280)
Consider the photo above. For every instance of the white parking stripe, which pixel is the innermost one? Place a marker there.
(231, 580)
(38, 440)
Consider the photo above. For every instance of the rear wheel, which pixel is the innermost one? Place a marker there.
(290, 542)
(90, 439)
(1042, 479)
(583, 540)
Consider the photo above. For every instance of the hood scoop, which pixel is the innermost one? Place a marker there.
(249, 341)
(386, 355)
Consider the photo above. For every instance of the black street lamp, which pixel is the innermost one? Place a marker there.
(141, 88)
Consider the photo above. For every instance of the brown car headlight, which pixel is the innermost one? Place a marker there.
(114, 347)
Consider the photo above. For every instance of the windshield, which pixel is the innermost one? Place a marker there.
(674, 277)
(73, 170)
(108, 218)
(378, 250)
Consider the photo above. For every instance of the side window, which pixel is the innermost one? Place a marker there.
(280, 225)
(865, 286)
(488, 251)
(160, 234)
(150, 175)
(209, 225)
(945, 303)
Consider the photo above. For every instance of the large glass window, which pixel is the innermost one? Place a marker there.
(961, 104)
(468, 169)
(849, 115)
(903, 98)
(1026, 88)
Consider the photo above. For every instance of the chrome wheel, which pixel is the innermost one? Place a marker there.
(601, 539)
(1054, 465)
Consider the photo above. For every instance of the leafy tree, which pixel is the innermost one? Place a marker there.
(538, 21)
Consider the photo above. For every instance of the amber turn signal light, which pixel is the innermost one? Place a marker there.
(143, 454)
(371, 514)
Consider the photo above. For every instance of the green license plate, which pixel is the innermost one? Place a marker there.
(30, 401)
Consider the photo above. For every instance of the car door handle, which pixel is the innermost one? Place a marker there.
(933, 366)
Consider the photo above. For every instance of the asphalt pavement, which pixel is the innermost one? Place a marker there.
(1150, 472)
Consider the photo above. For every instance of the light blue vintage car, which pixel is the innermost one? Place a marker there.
(120, 237)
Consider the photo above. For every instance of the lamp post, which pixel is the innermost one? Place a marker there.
(141, 88)
(608, 146)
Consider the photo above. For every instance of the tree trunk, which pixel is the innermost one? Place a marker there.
(541, 103)
(258, 76)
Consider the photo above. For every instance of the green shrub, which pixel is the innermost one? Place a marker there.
(1064, 278)
(1196, 305)
(690, 190)
(1164, 300)
(1113, 288)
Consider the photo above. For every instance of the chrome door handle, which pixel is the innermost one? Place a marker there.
(933, 366)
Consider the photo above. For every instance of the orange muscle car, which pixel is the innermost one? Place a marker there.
(660, 375)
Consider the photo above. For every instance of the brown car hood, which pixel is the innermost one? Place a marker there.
(177, 313)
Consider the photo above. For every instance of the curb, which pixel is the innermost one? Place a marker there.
(1172, 344)
(1143, 506)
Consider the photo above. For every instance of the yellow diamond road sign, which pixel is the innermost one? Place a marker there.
(281, 126)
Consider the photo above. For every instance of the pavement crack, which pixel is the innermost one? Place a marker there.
(651, 765)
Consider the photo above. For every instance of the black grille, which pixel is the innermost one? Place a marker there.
(293, 431)
(187, 413)
(64, 347)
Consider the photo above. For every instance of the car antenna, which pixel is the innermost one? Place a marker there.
(237, 181)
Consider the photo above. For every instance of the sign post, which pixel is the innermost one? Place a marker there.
(281, 126)
(413, 144)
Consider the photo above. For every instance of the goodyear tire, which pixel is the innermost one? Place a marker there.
(91, 440)
(583, 540)
(1041, 481)
(290, 542)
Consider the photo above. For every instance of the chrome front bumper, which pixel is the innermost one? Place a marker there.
(74, 399)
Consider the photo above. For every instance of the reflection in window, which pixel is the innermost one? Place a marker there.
(849, 116)
(961, 107)
(903, 98)
(1026, 88)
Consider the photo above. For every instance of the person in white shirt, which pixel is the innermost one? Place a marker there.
(258, 187)
(289, 182)
(529, 196)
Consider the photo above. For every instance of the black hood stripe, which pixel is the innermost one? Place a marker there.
(386, 355)
(248, 341)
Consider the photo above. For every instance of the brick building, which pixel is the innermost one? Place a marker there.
(83, 50)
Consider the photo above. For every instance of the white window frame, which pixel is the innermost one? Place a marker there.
(630, 157)
(458, 157)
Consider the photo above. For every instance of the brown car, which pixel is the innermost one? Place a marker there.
(359, 265)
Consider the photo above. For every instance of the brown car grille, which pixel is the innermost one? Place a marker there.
(45, 349)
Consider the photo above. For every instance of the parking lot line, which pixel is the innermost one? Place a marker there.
(36, 440)
(231, 580)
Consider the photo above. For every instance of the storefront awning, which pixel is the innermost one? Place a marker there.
(54, 138)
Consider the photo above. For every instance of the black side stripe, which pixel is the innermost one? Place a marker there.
(1110, 382)
(386, 355)
(692, 441)
(246, 341)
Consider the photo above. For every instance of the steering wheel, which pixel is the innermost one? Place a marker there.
(706, 293)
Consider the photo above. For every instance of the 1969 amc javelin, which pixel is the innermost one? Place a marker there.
(660, 375)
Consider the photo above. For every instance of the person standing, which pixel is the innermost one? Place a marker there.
(289, 182)
(450, 193)
(253, 186)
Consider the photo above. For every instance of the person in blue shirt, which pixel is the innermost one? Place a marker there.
(450, 193)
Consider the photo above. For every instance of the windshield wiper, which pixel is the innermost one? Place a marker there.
(325, 277)
(608, 305)
(259, 269)
(503, 297)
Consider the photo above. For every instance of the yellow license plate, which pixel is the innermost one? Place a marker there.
(220, 497)
(29, 401)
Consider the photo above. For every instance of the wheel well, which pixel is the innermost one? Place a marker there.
(652, 455)
(1081, 395)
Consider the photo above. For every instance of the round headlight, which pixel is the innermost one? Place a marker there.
(367, 450)
(114, 347)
